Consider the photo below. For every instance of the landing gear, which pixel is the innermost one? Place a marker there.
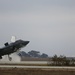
(10, 58)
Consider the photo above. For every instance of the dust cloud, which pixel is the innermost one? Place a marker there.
(14, 56)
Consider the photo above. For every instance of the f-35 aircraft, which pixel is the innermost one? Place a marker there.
(12, 47)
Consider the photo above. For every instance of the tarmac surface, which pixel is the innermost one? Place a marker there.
(31, 64)
(23, 68)
(37, 67)
(35, 70)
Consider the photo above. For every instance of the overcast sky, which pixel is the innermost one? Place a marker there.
(49, 25)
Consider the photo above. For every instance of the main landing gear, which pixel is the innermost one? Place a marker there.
(10, 58)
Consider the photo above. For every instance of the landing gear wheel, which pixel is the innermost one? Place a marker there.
(10, 58)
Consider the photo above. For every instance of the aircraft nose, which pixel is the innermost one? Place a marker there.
(26, 42)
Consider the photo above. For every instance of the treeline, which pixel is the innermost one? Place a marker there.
(33, 53)
(61, 61)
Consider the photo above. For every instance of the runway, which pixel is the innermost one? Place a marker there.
(36, 67)
(23, 62)
(24, 69)
(36, 70)
(31, 64)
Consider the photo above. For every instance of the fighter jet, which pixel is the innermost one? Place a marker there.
(12, 47)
